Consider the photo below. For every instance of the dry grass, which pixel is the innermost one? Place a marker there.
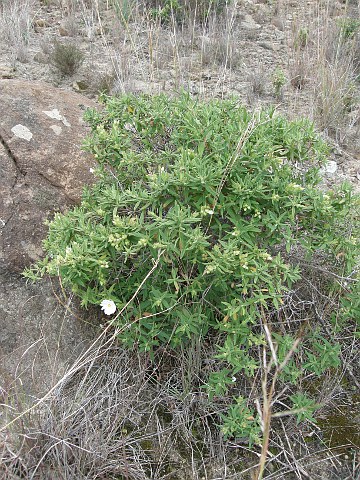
(16, 27)
(257, 82)
(324, 62)
(143, 49)
(334, 98)
(299, 74)
(335, 91)
(70, 26)
(122, 416)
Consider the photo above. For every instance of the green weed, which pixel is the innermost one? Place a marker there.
(181, 10)
(278, 80)
(349, 27)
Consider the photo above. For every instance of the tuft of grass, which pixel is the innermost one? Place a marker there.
(334, 97)
(66, 57)
(349, 27)
(184, 11)
(116, 417)
(335, 74)
(257, 83)
(298, 73)
(220, 45)
(301, 38)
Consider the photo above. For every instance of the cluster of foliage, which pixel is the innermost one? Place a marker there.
(349, 27)
(219, 198)
(180, 10)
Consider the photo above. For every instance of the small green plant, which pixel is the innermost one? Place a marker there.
(303, 407)
(302, 38)
(167, 10)
(123, 9)
(324, 355)
(278, 80)
(181, 10)
(209, 200)
(66, 57)
(241, 420)
(349, 27)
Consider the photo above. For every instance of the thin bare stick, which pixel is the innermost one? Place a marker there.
(268, 394)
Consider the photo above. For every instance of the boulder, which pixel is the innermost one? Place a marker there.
(42, 164)
(42, 170)
(248, 23)
(42, 333)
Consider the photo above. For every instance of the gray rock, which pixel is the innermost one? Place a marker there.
(6, 72)
(39, 337)
(248, 23)
(42, 129)
(330, 167)
(40, 57)
(42, 170)
(274, 47)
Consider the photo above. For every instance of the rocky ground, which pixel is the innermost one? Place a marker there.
(278, 53)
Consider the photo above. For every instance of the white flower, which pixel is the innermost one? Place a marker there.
(91, 170)
(233, 379)
(108, 306)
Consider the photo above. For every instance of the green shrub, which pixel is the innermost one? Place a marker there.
(66, 57)
(220, 198)
(349, 27)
